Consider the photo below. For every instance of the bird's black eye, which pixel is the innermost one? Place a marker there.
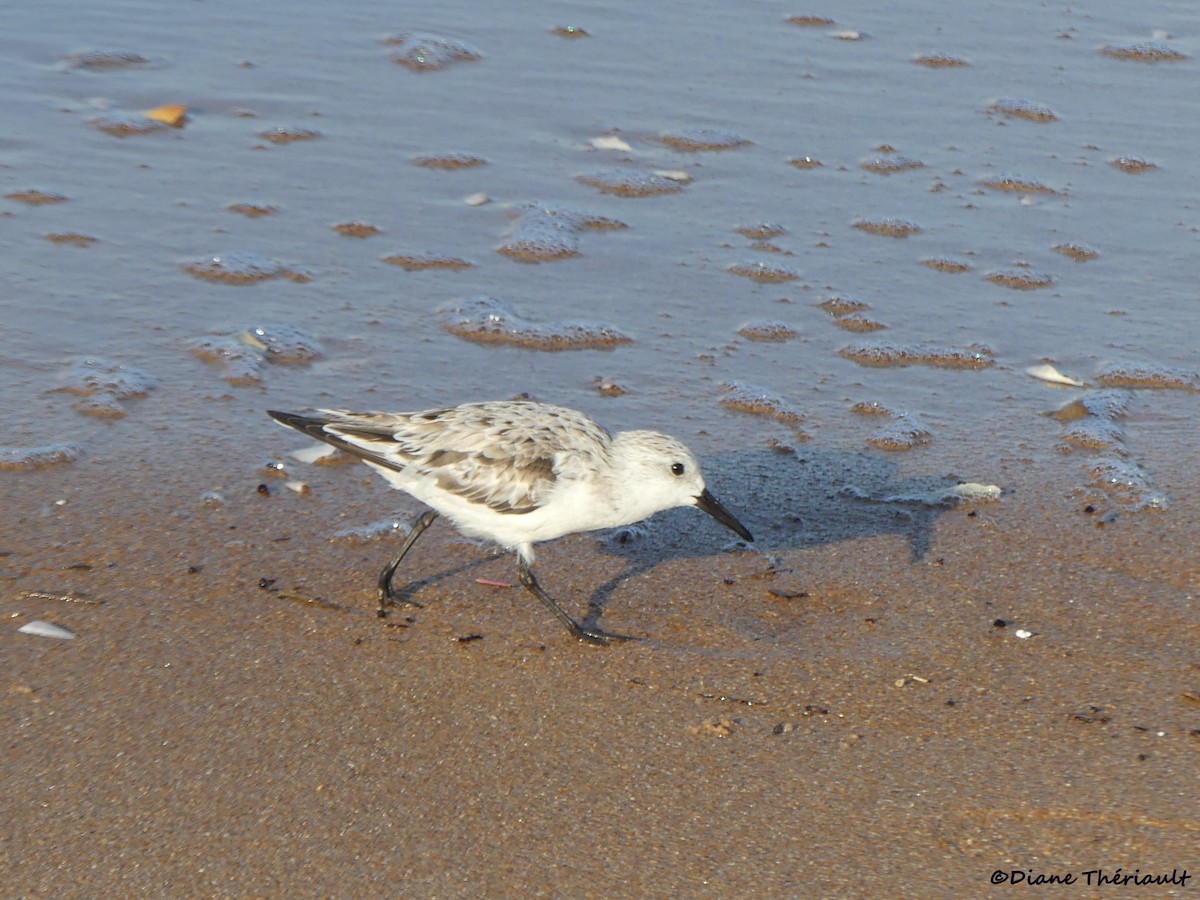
(676, 468)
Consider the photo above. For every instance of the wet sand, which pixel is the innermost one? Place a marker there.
(887, 694)
(837, 718)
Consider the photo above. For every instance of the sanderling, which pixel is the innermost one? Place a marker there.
(517, 472)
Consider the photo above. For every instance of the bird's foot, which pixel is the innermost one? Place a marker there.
(389, 598)
(598, 638)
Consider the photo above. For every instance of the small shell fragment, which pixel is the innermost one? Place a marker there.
(313, 452)
(610, 142)
(1047, 372)
(1023, 634)
(300, 487)
(477, 199)
(675, 175)
(172, 114)
(47, 629)
(973, 491)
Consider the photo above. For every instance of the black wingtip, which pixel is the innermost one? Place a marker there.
(304, 424)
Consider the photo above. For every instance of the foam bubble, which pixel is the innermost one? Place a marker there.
(1088, 421)
(1106, 404)
(487, 320)
(838, 305)
(101, 406)
(289, 134)
(1016, 108)
(950, 496)
(631, 183)
(543, 233)
(1020, 279)
(768, 331)
(697, 139)
(100, 60)
(1126, 482)
(449, 161)
(540, 238)
(356, 229)
(888, 227)
(93, 375)
(940, 61)
(759, 402)
(26, 458)
(858, 322)
(1017, 184)
(242, 363)
(253, 210)
(127, 126)
(903, 432)
(1134, 165)
(416, 262)
(885, 353)
(422, 51)
(284, 344)
(244, 353)
(366, 534)
(1077, 252)
(1143, 51)
(946, 264)
(103, 384)
(870, 408)
(891, 165)
(763, 272)
(1110, 404)
(1093, 433)
(1148, 375)
(242, 268)
(761, 232)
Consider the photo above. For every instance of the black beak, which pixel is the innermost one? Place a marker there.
(710, 505)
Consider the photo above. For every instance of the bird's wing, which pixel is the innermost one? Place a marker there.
(508, 455)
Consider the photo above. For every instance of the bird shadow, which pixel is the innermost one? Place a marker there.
(788, 500)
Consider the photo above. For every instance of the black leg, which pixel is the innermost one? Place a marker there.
(591, 636)
(386, 596)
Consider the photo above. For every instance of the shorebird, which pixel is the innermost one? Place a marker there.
(517, 472)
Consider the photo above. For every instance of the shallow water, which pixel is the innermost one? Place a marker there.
(948, 157)
(648, 202)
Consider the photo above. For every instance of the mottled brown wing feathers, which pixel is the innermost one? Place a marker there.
(506, 456)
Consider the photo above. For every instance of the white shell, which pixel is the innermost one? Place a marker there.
(974, 491)
(675, 175)
(477, 199)
(610, 142)
(1047, 372)
(310, 453)
(47, 629)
